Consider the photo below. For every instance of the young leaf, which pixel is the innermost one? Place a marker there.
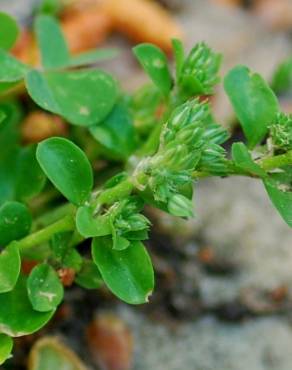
(127, 273)
(83, 97)
(116, 133)
(44, 288)
(67, 167)
(15, 222)
(92, 57)
(119, 243)
(242, 158)
(179, 205)
(154, 62)
(90, 226)
(17, 317)
(6, 345)
(253, 101)
(9, 267)
(8, 30)
(51, 42)
(11, 70)
(89, 276)
(281, 199)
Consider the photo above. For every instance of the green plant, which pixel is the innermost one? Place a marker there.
(156, 142)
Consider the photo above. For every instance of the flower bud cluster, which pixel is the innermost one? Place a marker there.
(281, 132)
(127, 223)
(199, 73)
(190, 141)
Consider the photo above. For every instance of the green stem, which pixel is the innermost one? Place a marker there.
(277, 161)
(53, 215)
(66, 223)
(111, 195)
(267, 164)
(120, 191)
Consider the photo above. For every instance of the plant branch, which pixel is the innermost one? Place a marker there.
(277, 161)
(121, 190)
(66, 223)
(111, 195)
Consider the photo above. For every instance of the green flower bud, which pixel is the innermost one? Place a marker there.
(191, 137)
(213, 160)
(215, 134)
(180, 116)
(138, 222)
(179, 205)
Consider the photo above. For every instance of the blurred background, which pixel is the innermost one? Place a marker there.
(223, 297)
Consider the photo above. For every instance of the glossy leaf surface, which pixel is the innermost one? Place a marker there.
(127, 273)
(9, 267)
(15, 222)
(253, 101)
(83, 97)
(17, 317)
(67, 167)
(154, 62)
(45, 290)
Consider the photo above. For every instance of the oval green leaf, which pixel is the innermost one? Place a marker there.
(127, 273)
(10, 264)
(83, 97)
(15, 222)
(45, 290)
(51, 42)
(67, 167)
(154, 62)
(90, 226)
(17, 317)
(6, 345)
(253, 101)
(8, 30)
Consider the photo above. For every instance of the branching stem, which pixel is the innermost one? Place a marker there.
(122, 190)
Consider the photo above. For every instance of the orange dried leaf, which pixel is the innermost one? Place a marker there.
(39, 125)
(86, 28)
(143, 21)
(110, 342)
